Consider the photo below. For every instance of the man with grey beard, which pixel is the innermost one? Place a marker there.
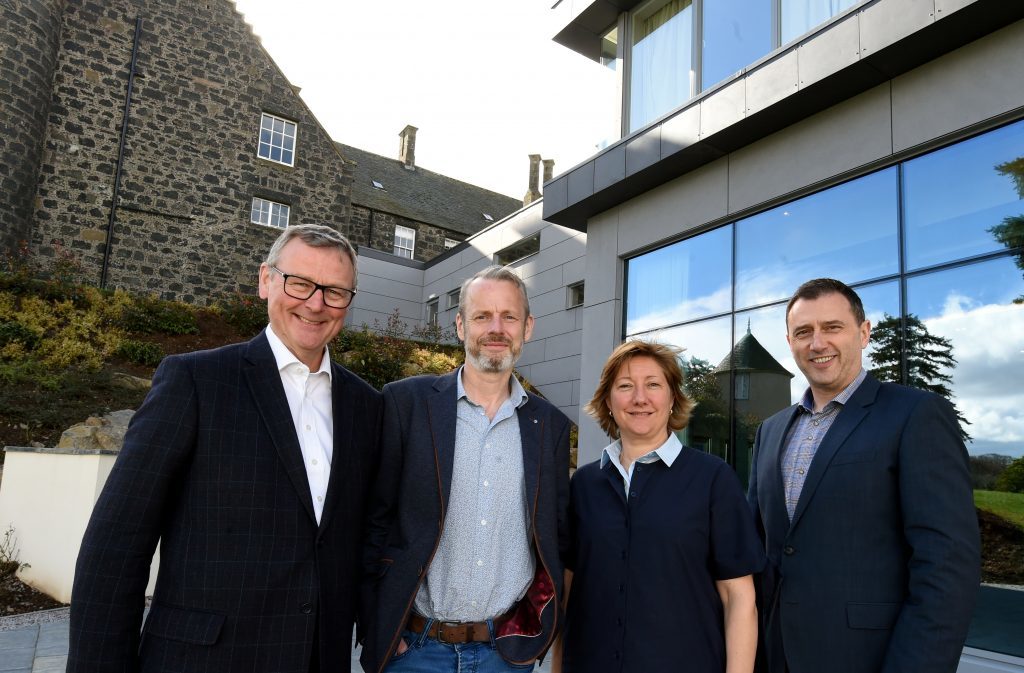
(467, 526)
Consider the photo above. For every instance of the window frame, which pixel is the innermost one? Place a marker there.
(510, 254)
(271, 145)
(572, 290)
(270, 212)
(399, 238)
(453, 298)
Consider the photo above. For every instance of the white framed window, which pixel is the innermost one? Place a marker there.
(450, 243)
(453, 298)
(269, 213)
(432, 312)
(405, 241)
(277, 140)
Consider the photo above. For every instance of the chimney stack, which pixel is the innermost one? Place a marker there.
(407, 147)
(549, 169)
(533, 191)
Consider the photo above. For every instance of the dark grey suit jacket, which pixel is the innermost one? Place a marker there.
(211, 467)
(408, 508)
(878, 571)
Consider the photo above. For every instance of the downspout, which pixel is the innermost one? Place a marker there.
(120, 154)
(369, 234)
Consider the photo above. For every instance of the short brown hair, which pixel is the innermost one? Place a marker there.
(667, 358)
(818, 287)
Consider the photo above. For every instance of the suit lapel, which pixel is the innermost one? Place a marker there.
(850, 416)
(773, 507)
(442, 415)
(531, 429)
(341, 456)
(268, 392)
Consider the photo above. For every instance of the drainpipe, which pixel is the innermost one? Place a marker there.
(120, 154)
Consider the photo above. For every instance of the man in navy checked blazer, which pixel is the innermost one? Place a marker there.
(249, 465)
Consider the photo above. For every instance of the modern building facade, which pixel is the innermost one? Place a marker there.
(767, 142)
(763, 143)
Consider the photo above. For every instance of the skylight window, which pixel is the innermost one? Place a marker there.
(487, 216)
(377, 185)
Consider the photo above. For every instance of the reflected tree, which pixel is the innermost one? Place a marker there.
(928, 358)
(1010, 232)
(709, 421)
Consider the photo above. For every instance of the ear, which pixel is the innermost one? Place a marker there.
(460, 329)
(865, 333)
(264, 281)
(529, 328)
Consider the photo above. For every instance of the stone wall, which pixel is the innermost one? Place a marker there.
(190, 168)
(29, 37)
(378, 229)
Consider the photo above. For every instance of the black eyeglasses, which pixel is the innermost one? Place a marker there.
(298, 287)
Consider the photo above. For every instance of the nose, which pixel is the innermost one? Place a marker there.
(817, 341)
(639, 395)
(316, 301)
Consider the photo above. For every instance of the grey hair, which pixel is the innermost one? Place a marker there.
(494, 272)
(315, 236)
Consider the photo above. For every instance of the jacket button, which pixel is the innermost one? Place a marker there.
(788, 550)
(306, 608)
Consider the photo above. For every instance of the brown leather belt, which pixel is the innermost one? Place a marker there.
(453, 632)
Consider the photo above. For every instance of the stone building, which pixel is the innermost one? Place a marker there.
(159, 143)
(411, 212)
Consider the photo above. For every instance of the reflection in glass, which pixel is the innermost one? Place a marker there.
(847, 232)
(972, 307)
(966, 199)
(706, 343)
(799, 16)
(683, 281)
(735, 35)
(661, 76)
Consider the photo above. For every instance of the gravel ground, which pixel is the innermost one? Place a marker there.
(33, 618)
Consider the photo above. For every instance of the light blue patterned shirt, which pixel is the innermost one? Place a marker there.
(667, 452)
(805, 437)
(484, 562)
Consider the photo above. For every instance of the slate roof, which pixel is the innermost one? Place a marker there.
(748, 355)
(422, 195)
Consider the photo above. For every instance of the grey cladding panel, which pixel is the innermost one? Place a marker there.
(556, 194)
(643, 150)
(829, 52)
(772, 82)
(581, 182)
(889, 21)
(609, 167)
(680, 131)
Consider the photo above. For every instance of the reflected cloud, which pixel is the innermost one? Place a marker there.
(709, 304)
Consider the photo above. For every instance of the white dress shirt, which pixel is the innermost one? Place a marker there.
(309, 399)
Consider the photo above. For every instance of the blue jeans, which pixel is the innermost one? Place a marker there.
(428, 655)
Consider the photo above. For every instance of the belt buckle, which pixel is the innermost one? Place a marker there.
(440, 631)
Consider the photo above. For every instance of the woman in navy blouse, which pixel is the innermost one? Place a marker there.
(664, 544)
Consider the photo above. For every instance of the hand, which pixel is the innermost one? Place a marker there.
(402, 647)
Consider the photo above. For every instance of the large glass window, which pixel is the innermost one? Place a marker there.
(967, 199)
(799, 16)
(661, 72)
(966, 343)
(736, 33)
(847, 232)
(684, 281)
(946, 309)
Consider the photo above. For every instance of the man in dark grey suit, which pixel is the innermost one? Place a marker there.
(468, 517)
(863, 494)
(249, 464)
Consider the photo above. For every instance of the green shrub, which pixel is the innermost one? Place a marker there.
(246, 313)
(144, 353)
(12, 331)
(1012, 478)
(150, 315)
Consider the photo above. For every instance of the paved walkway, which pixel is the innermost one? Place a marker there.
(43, 648)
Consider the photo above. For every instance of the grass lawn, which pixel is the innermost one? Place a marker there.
(1009, 506)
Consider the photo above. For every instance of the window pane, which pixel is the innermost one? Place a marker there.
(972, 311)
(736, 34)
(661, 75)
(847, 232)
(966, 199)
(800, 16)
(683, 281)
